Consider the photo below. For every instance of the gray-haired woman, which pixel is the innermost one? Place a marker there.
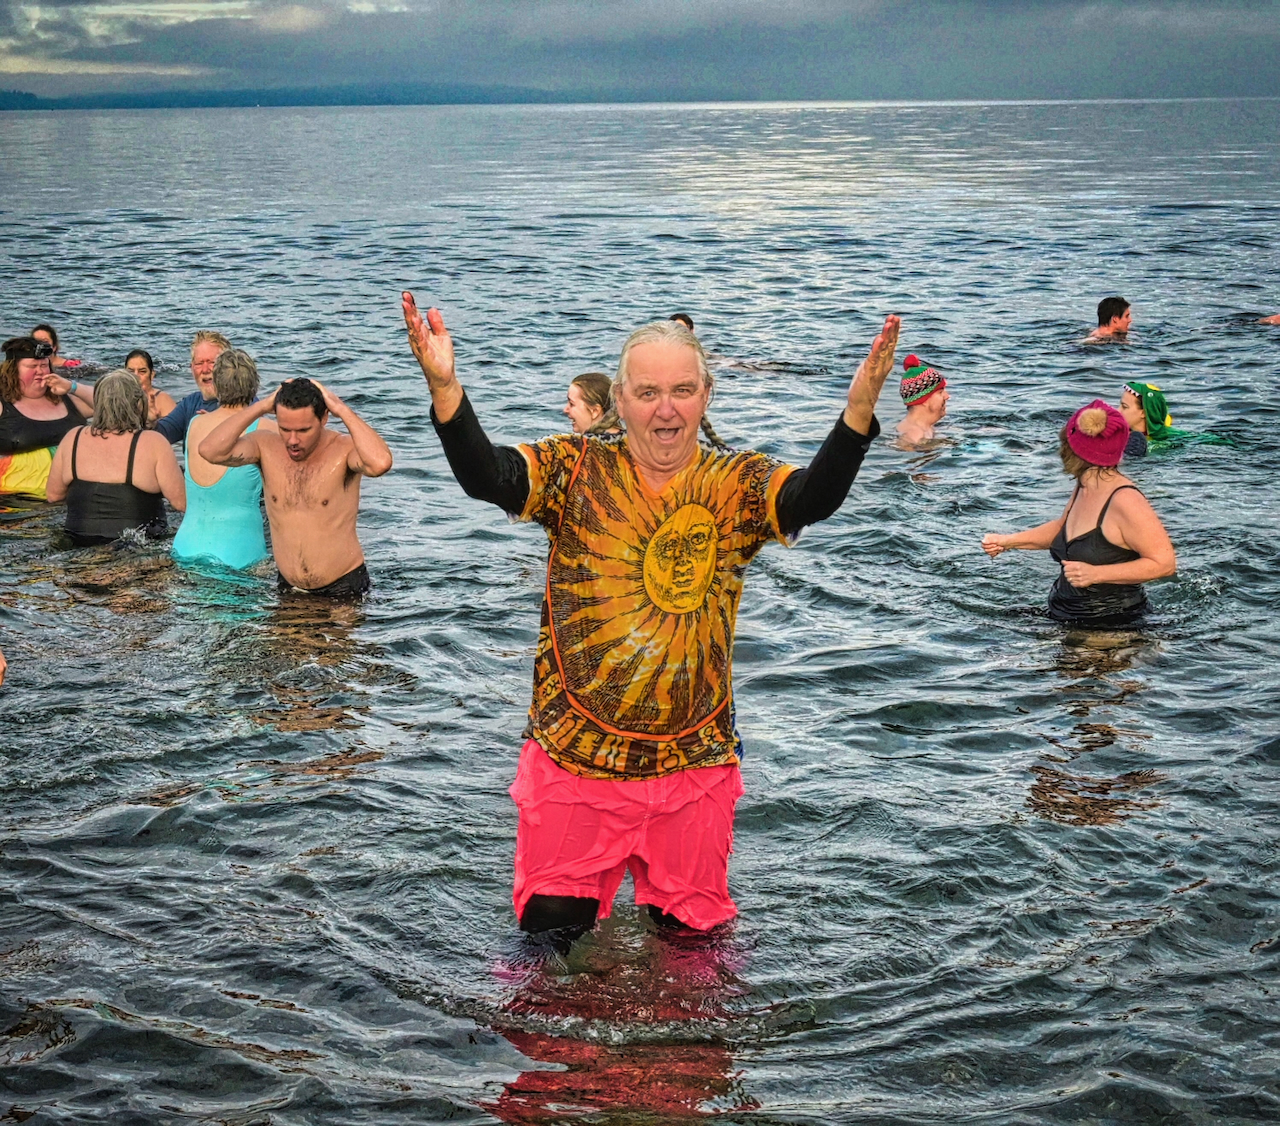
(113, 472)
(224, 522)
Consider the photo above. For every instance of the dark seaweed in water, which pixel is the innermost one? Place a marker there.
(255, 857)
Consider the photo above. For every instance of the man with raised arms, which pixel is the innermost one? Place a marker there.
(631, 758)
(310, 481)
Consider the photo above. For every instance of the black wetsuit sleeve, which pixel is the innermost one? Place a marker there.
(813, 494)
(497, 474)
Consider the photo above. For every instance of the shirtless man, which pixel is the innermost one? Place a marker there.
(1115, 316)
(925, 395)
(311, 483)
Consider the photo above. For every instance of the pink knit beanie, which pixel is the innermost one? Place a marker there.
(1098, 433)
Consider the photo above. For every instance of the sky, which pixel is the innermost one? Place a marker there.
(653, 49)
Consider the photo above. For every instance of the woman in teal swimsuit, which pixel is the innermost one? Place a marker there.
(224, 518)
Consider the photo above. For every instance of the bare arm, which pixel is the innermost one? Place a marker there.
(60, 471)
(433, 347)
(228, 444)
(864, 391)
(1139, 530)
(172, 485)
(1038, 538)
(369, 455)
(60, 385)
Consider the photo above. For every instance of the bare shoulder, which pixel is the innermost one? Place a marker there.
(1129, 500)
(155, 442)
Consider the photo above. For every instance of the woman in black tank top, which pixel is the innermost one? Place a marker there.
(1101, 576)
(100, 511)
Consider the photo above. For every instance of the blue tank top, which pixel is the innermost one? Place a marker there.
(223, 521)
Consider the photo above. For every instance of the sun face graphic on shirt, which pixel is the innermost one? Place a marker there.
(633, 669)
(679, 562)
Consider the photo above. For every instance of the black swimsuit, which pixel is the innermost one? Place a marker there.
(99, 513)
(1107, 605)
(20, 434)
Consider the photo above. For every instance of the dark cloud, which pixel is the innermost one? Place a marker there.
(661, 48)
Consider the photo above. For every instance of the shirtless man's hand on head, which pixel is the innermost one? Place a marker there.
(310, 477)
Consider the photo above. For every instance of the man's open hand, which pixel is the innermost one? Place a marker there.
(865, 389)
(431, 343)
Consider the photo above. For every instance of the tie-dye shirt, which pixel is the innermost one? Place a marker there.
(632, 670)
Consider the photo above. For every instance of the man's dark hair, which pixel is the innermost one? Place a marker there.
(299, 393)
(683, 318)
(1110, 307)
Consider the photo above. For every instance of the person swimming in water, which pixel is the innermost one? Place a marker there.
(1115, 318)
(48, 334)
(1272, 320)
(1151, 427)
(159, 403)
(589, 404)
(1108, 539)
(925, 395)
(311, 482)
(631, 755)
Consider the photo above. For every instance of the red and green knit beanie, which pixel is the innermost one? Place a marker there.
(920, 381)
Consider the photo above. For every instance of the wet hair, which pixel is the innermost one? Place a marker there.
(597, 390)
(119, 404)
(151, 364)
(670, 332)
(53, 335)
(1110, 307)
(682, 318)
(19, 348)
(208, 336)
(235, 378)
(295, 394)
(1092, 423)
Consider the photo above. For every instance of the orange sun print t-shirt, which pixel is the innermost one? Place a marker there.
(632, 668)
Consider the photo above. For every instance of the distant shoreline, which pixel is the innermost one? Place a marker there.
(409, 94)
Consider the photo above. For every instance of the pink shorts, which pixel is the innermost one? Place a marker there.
(578, 836)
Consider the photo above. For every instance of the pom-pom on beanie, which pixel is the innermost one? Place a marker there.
(919, 382)
(1098, 433)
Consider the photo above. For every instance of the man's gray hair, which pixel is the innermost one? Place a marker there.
(235, 378)
(664, 332)
(119, 404)
(208, 336)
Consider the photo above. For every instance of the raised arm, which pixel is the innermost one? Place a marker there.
(369, 454)
(81, 392)
(813, 494)
(228, 444)
(433, 348)
(496, 474)
(869, 379)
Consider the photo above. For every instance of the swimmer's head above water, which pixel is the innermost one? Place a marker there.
(206, 347)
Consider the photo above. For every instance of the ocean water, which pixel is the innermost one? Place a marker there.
(255, 858)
